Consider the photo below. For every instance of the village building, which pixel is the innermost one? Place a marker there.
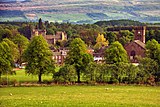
(136, 48)
(59, 56)
(99, 55)
(51, 39)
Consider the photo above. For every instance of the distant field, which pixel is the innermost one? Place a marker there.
(16, 18)
(80, 96)
(64, 17)
(81, 11)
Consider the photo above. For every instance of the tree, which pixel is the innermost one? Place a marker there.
(40, 24)
(78, 56)
(67, 73)
(90, 73)
(50, 31)
(21, 43)
(126, 37)
(38, 57)
(149, 68)
(116, 53)
(14, 49)
(6, 59)
(153, 50)
(5, 33)
(112, 37)
(101, 41)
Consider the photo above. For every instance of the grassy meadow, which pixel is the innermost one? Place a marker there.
(77, 95)
(21, 76)
(80, 96)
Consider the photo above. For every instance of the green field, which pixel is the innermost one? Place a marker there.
(21, 76)
(64, 17)
(80, 96)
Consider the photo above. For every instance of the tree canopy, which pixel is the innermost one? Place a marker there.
(14, 49)
(100, 41)
(153, 50)
(6, 58)
(78, 56)
(116, 53)
(38, 57)
(21, 43)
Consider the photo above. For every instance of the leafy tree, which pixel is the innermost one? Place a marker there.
(132, 72)
(14, 49)
(112, 37)
(91, 72)
(78, 56)
(26, 30)
(116, 53)
(6, 58)
(101, 41)
(149, 68)
(67, 73)
(38, 57)
(50, 31)
(5, 33)
(21, 43)
(153, 50)
(126, 37)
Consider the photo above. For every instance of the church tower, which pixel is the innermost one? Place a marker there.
(139, 33)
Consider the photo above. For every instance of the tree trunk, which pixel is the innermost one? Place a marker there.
(78, 75)
(40, 78)
(0, 76)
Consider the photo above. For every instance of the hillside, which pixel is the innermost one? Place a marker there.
(80, 11)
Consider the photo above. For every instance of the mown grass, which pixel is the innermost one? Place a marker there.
(80, 96)
(21, 76)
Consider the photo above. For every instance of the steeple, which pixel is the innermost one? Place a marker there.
(139, 33)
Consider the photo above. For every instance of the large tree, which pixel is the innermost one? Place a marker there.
(14, 49)
(116, 53)
(21, 43)
(153, 50)
(6, 58)
(38, 57)
(78, 56)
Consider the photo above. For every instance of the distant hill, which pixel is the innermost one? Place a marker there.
(80, 11)
(122, 22)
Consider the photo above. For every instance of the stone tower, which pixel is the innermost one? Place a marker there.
(139, 33)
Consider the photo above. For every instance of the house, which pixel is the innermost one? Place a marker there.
(136, 48)
(99, 54)
(59, 56)
(51, 39)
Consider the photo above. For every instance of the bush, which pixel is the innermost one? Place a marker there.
(66, 74)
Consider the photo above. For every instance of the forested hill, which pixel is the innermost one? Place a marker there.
(119, 23)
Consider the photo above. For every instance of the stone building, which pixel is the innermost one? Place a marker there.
(51, 39)
(136, 48)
